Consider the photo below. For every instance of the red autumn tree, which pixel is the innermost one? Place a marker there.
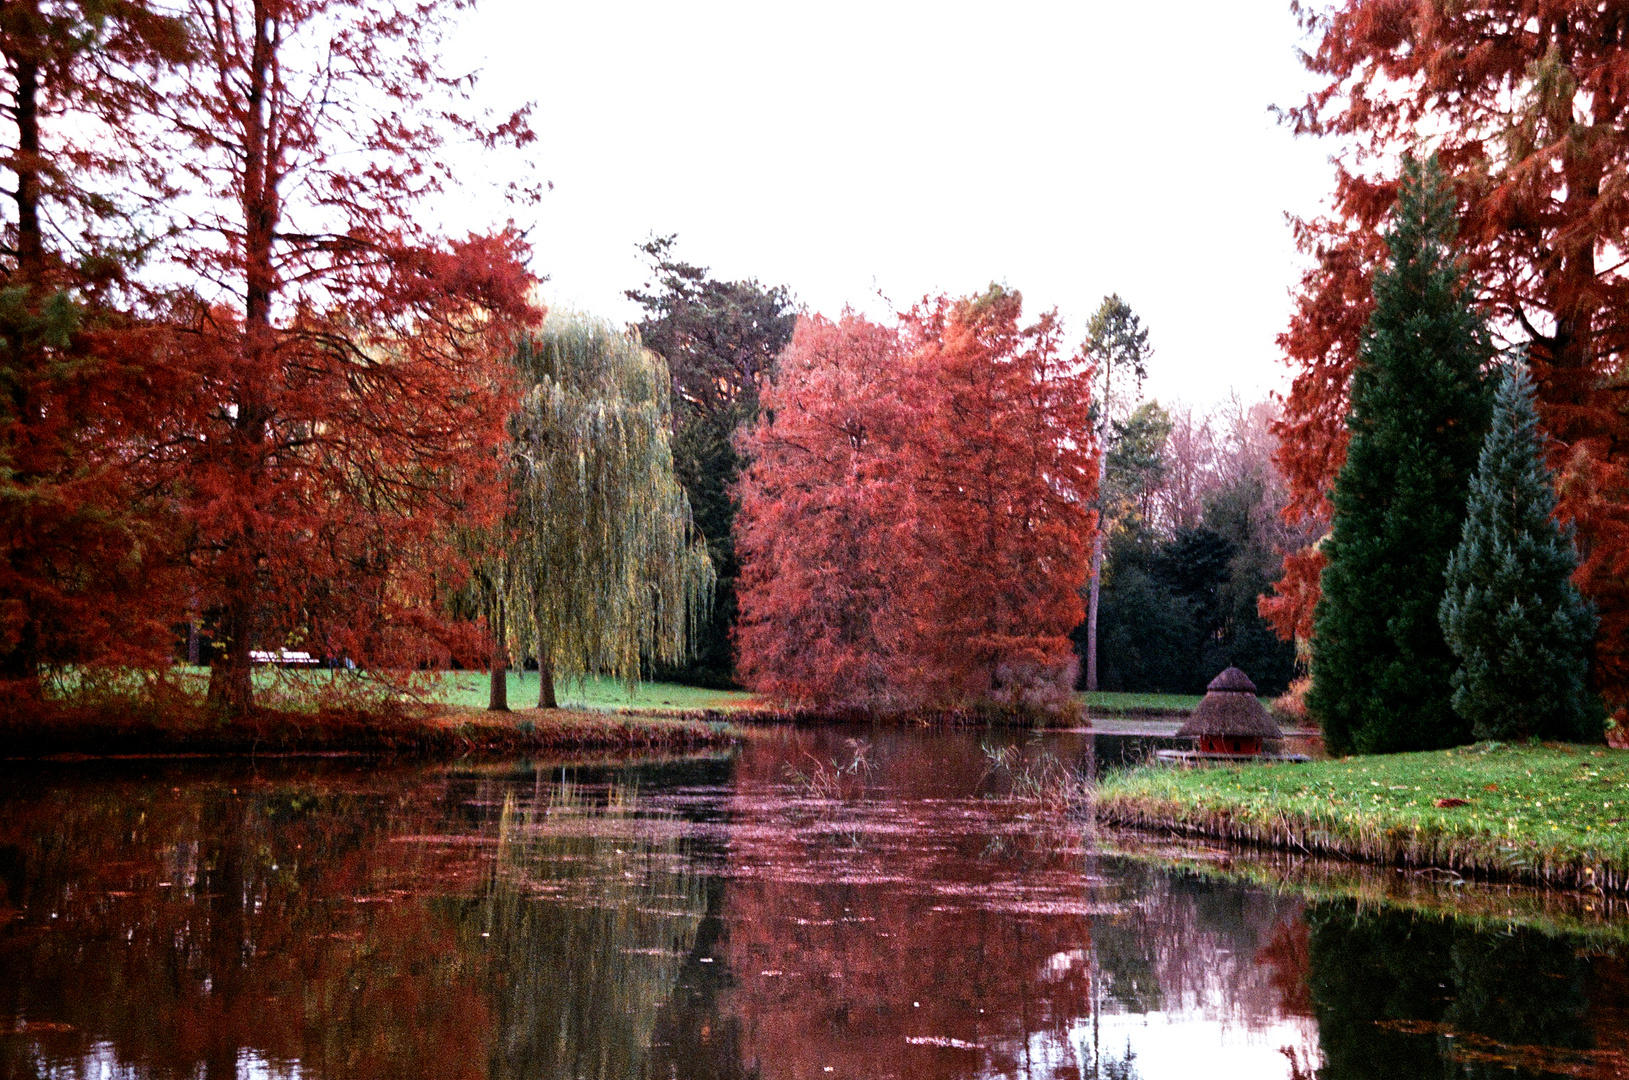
(1003, 468)
(1525, 107)
(353, 396)
(914, 521)
(824, 519)
(84, 538)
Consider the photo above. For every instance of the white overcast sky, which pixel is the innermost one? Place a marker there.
(870, 153)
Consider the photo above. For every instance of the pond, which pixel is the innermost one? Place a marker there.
(785, 911)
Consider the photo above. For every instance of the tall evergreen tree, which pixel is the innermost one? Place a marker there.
(720, 340)
(1381, 668)
(1520, 628)
(1117, 345)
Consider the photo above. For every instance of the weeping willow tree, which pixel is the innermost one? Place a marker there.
(601, 568)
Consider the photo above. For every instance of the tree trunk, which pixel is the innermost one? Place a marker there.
(1097, 560)
(30, 240)
(229, 683)
(231, 690)
(1091, 610)
(20, 665)
(498, 698)
(545, 666)
(545, 683)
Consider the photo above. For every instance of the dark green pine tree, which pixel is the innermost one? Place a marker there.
(1511, 614)
(1381, 669)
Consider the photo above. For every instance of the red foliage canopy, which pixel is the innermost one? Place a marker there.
(83, 526)
(1004, 468)
(914, 522)
(1526, 106)
(351, 391)
(824, 520)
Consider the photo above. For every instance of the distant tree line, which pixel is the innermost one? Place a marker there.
(1194, 534)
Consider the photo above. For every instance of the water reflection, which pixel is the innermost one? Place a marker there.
(717, 918)
(585, 923)
(1401, 993)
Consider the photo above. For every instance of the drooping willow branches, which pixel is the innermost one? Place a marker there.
(601, 567)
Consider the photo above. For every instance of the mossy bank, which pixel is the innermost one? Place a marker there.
(1551, 815)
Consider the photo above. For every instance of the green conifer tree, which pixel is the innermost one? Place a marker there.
(1381, 668)
(1511, 614)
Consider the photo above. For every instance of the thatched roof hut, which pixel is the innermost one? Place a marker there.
(1230, 719)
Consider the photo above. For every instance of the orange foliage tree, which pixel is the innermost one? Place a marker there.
(915, 518)
(83, 522)
(1004, 468)
(352, 394)
(823, 519)
(1525, 106)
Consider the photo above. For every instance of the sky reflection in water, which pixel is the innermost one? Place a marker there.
(713, 918)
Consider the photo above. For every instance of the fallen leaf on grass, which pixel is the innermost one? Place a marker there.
(1446, 803)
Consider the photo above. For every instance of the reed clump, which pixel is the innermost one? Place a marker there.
(1550, 815)
(1053, 786)
(831, 779)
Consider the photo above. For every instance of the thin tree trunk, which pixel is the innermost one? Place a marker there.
(498, 698)
(30, 240)
(21, 664)
(1091, 610)
(1097, 561)
(229, 682)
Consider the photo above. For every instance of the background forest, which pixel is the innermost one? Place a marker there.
(1195, 535)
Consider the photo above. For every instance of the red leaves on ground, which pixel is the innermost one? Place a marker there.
(914, 521)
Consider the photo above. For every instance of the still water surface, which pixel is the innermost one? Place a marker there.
(748, 915)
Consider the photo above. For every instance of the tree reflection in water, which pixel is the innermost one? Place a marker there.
(172, 926)
(712, 921)
(589, 915)
(1399, 993)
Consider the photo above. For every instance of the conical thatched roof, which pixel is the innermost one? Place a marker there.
(1233, 679)
(1231, 708)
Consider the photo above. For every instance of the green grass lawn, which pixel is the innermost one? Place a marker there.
(471, 688)
(1105, 701)
(1553, 813)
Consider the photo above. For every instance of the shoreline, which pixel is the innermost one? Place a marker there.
(1489, 905)
(444, 733)
(1531, 815)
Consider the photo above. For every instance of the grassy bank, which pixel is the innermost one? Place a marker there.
(1115, 703)
(1547, 815)
(438, 731)
(470, 689)
(1600, 920)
